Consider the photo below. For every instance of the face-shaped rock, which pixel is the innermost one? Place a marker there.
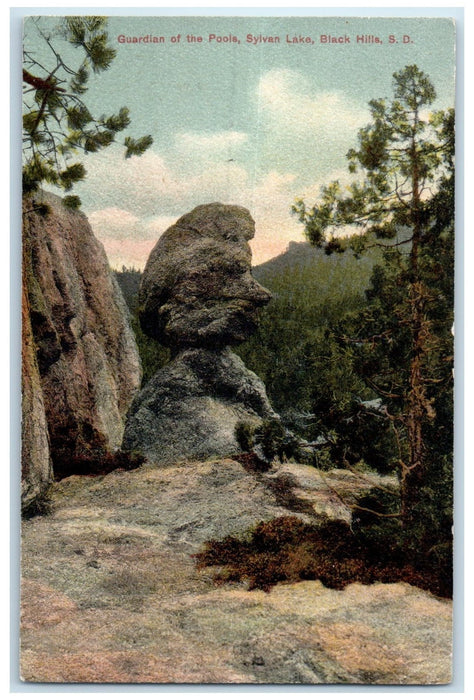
(197, 287)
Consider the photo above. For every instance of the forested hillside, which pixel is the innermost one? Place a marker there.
(311, 291)
(153, 355)
(308, 371)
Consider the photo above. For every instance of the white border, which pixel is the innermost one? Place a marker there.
(464, 247)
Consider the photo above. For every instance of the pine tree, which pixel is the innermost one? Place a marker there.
(405, 199)
(57, 123)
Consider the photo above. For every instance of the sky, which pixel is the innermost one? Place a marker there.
(240, 121)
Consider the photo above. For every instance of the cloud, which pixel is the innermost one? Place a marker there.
(129, 234)
(210, 145)
(115, 223)
(129, 237)
(155, 227)
(270, 206)
(302, 138)
(306, 130)
(289, 101)
(121, 225)
(127, 253)
(223, 182)
(141, 185)
(196, 168)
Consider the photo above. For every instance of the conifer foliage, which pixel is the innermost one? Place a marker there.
(57, 124)
(401, 341)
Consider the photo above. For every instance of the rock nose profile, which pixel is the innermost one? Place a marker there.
(198, 296)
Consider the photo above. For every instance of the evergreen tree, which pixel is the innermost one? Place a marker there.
(57, 123)
(402, 340)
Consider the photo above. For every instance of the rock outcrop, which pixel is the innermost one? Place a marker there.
(111, 592)
(86, 354)
(198, 296)
(191, 407)
(36, 465)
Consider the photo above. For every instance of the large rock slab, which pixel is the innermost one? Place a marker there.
(111, 592)
(85, 350)
(191, 407)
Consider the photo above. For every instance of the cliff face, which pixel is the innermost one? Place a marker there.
(36, 467)
(86, 354)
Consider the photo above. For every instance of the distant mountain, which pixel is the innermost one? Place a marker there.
(296, 255)
(301, 256)
(307, 271)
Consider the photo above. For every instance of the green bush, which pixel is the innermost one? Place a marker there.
(245, 435)
(271, 436)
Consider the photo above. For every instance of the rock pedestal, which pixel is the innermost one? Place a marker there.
(198, 296)
(191, 407)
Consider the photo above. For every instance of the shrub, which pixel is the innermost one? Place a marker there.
(288, 549)
(271, 437)
(268, 440)
(245, 435)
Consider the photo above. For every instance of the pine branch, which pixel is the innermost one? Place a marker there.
(47, 84)
(389, 245)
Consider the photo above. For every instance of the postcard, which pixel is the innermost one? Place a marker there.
(237, 350)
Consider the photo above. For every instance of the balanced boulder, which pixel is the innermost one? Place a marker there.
(197, 288)
(198, 296)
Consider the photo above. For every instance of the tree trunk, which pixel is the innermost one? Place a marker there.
(417, 403)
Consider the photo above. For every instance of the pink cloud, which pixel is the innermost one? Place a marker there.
(127, 252)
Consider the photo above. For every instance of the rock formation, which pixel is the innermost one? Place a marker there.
(86, 354)
(36, 466)
(198, 296)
